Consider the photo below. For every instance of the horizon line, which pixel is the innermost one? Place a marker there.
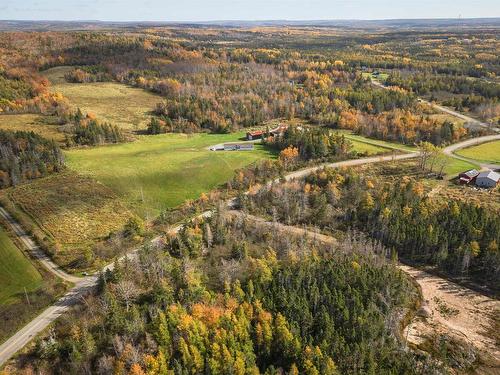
(257, 20)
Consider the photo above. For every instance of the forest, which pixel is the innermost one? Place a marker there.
(227, 297)
(25, 156)
(455, 236)
(222, 89)
(233, 292)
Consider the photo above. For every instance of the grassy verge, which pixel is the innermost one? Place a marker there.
(359, 139)
(25, 289)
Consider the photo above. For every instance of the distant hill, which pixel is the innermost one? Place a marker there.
(13, 25)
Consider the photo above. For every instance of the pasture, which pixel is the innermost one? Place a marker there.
(124, 106)
(162, 171)
(487, 152)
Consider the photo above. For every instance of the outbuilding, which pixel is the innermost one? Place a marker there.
(488, 179)
(244, 146)
(468, 176)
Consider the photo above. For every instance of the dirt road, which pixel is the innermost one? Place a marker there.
(470, 122)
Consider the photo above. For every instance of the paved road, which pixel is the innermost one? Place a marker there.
(22, 337)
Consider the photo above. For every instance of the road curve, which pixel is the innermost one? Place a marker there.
(450, 150)
(472, 122)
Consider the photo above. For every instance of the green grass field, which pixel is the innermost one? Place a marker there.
(124, 106)
(159, 172)
(16, 272)
(42, 125)
(382, 76)
(455, 166)
(20, 278)
(487, 152)
(360, 141)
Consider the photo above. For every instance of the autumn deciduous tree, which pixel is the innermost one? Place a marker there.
(289, 156)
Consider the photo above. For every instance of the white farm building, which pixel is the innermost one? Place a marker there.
(488, 179)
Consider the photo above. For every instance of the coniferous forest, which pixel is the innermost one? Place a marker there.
(25, 156)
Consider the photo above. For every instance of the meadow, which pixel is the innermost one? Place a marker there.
(162, 171)
(42, 125)
(122, 105)
(487, 152)
(24, 289)
(73, 213)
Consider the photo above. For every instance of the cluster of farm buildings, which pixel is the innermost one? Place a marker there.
(486, 179)
(251, 136)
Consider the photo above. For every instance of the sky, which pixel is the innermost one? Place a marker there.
(210, 10)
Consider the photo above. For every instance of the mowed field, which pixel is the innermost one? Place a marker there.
(486, 152)
(42, 125)
(16, 272)
(162, 171)
(124, 106)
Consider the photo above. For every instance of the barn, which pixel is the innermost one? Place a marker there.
(468, 176)
(488, 179)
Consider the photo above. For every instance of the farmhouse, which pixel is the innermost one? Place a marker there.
(258, 134)
(488, 179)
(244, 146)
(468, 176)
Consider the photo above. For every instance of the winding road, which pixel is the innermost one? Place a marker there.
(85, 284)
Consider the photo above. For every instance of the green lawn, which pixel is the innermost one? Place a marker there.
(380, 145)
(16, 272)
(121, 105)
(455, 166)
(382, 76)
(487, 152)
(158, 172)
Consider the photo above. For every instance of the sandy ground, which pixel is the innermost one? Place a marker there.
(455, 310)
